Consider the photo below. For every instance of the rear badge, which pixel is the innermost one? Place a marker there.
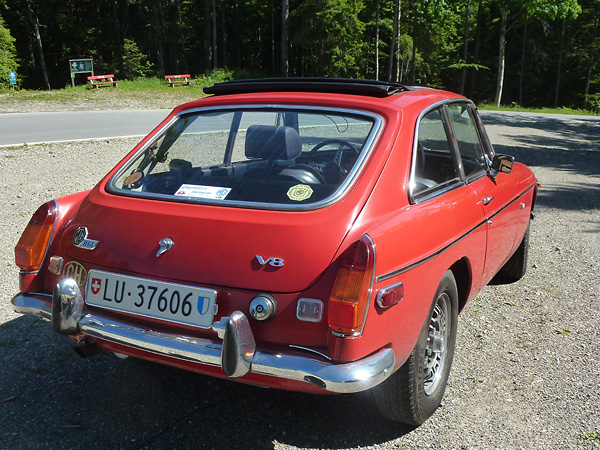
(80, 239)
(75, 271)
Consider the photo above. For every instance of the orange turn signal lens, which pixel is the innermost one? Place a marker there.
(352, 288)
(31, 248)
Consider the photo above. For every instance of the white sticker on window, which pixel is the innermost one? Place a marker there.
(209, 192)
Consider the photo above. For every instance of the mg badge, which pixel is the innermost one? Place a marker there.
(80, 239)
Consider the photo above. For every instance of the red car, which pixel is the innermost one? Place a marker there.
(315, 235)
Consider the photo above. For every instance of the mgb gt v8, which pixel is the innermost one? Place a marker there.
(315, 235)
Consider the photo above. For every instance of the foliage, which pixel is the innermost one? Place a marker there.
(8, 59)
(330, 36)
(452, 44)
(135, 63)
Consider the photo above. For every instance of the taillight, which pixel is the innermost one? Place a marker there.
(352, 288)
(30, 251)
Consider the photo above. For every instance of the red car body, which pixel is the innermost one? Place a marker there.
(393, 240)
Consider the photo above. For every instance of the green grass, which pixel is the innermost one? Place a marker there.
(518, 108)
(592, 438)
(139, 89)
(144, 87)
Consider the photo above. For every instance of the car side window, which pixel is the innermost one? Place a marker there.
(434, 165)
(467, 140)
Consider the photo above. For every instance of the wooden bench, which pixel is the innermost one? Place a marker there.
(102, 80)
(179, 79)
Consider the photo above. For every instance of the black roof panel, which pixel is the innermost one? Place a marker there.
(370, 88)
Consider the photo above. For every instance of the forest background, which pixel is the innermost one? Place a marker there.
(525, 52)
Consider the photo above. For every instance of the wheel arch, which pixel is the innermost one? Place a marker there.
(461, 270)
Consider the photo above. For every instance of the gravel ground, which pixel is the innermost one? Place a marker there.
(526, 373)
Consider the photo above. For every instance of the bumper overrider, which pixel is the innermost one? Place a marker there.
(237, 355)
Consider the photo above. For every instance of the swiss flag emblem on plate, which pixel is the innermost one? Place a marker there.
(96, 285)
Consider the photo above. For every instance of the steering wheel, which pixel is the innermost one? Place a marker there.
(337, 159)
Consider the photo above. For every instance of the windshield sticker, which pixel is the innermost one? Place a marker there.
(299, 192)
(208, 192)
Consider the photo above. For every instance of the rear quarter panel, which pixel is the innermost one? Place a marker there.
(415, 245)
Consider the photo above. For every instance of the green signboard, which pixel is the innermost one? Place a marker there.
(84, 65)
(81, 65)
(12, 78)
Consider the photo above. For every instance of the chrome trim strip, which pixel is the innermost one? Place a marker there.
(460, 181)
(347, 377)
(33, 304)
(401, 270)
(342, 190)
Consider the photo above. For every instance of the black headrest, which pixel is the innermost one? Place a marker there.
(270, 142)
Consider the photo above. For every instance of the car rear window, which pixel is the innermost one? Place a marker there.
(254, 157)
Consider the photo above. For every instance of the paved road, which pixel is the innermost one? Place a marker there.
(51, 127)
(36, 128)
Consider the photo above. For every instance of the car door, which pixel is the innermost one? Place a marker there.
(500, 210)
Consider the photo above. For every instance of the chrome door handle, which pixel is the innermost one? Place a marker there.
(487, 200)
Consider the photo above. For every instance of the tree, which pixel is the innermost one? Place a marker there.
(8, 60)
(35, 31)
(135, 63)
(330, 35)
(395, 33)
(513, 11)
(285, 36)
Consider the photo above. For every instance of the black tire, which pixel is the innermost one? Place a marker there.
(515, 268)
(413, 393)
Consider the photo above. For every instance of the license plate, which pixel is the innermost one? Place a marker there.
(188, 305)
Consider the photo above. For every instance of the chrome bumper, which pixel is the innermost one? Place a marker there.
(237, 355)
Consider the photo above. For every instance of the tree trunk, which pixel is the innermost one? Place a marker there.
(465, 55)
(214, 35)
(208, 48)
(224, 61)
(398, 42)
(592, 59)
(394, 39)
(118, 35)
(285, 36)
(377, 42)
(477, 46)
(501, 56)
(413, 61)
(560, 58)
(159, 34)
(522, 74)
(35, 23)
(182, 38)
(272, 37)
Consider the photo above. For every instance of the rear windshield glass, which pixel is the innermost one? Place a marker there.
(255, 158)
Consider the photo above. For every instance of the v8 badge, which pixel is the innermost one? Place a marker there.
(272, 261)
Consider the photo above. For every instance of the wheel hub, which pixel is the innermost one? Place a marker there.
(435, 349)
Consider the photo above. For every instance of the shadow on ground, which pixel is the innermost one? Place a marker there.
(49, 396)
(569, 144)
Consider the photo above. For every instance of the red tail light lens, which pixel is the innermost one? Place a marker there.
(352, 288)
(30, 251)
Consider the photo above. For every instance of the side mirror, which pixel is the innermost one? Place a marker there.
(503, 163)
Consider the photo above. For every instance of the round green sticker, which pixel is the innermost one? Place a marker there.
(299, 192)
